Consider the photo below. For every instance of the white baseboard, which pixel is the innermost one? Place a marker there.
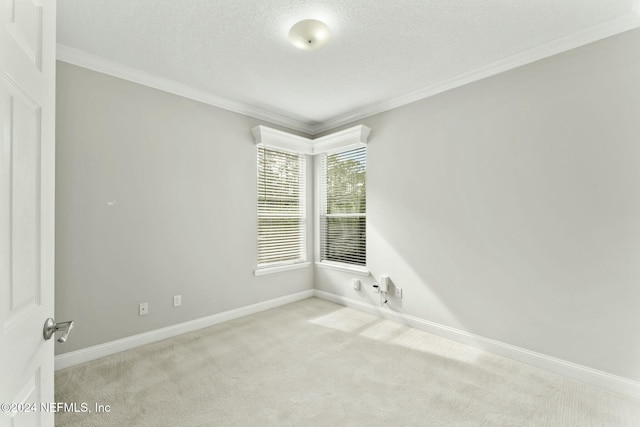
(97, 351)
(568, 369)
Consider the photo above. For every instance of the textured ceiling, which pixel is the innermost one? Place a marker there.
(380, 51)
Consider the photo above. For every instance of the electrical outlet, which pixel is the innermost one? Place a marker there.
(143, 309)
(177, 300)
(356, 284)
(376, 288)
(398, 292)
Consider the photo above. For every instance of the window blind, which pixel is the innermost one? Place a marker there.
(343, 217)
(281, 207)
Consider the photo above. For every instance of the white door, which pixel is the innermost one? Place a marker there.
(27, 162)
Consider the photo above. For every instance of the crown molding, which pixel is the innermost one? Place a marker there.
(96, 63)
(575, 40)
(572, 41)
(344, 140)
(270, 137)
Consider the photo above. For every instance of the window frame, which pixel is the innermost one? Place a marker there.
(274, 206)
(325, 217)
(345, 140)
(272, 139)
(353, 137)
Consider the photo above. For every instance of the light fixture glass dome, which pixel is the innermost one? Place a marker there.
(309, 34)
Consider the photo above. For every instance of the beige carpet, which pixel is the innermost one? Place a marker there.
(314, 363)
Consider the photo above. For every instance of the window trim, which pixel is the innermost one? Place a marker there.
(354, 137)
(275, 140)
(340, 248)
(340, 266)
(263, 271)
(346, 140)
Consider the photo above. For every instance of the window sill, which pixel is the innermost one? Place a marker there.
(278, 269)
(363, 271)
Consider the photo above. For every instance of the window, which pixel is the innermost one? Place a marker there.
(343, 217)
(281, 207)
(340, 232)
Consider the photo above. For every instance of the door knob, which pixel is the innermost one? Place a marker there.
(51, 327)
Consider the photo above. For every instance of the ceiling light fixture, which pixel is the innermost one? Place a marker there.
(309, 34)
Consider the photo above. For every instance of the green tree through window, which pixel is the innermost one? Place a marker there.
(343, 213)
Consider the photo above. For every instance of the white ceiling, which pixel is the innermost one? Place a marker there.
(235, 53)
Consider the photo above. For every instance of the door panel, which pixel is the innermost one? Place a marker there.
(24, 211)
(27, 179)
(25, 27)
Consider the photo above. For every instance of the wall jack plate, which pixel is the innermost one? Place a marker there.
(398, 292)
(143, 309)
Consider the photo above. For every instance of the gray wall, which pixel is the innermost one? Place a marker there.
(183, 177)
(510, 207)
